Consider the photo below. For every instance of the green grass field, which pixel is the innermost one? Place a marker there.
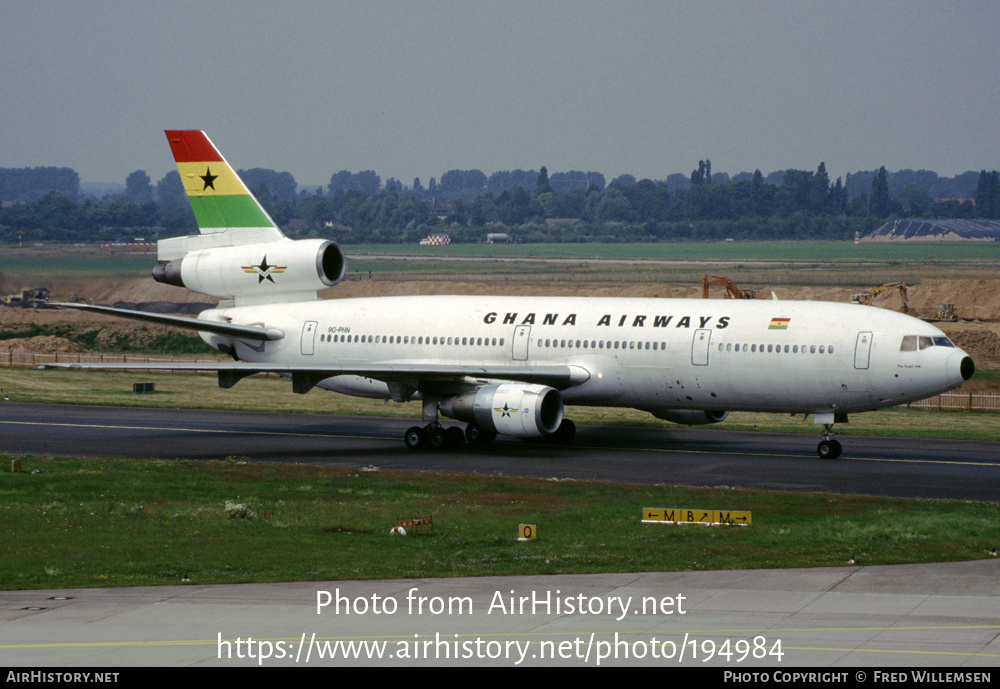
(707, 251)
(106, 522)
(73, 262)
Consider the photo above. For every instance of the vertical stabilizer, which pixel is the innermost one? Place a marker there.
(222, 204)
(218, 197)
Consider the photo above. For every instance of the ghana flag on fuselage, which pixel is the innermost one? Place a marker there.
(218, 196)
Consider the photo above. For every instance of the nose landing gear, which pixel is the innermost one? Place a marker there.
(828, 448)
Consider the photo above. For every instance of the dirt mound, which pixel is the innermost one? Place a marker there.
(42, 344)
(977, 299)
(109, 290)
(982, 345)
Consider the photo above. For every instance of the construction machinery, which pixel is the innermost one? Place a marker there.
(732, 291)
(37, 298)
(865, 298)
(946, 313)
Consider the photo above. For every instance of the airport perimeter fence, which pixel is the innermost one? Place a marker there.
(960, 401)
(949, 401)
(11, 358)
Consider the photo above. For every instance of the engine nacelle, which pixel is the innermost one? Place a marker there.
(257, 270)
(689, 417)
(514, 409)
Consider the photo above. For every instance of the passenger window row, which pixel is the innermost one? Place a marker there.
(777, 349)
(600, 344)
(406, 340)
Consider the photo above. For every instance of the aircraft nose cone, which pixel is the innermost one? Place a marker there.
(960, 367)
(967, 367)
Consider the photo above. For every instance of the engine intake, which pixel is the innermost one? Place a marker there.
(521, 411)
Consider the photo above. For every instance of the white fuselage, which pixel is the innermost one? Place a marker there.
(726, 355)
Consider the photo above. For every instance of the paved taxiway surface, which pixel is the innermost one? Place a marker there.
(908, 467)
(908, 615)
(904, 615)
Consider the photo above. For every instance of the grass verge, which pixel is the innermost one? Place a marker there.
(71, 522)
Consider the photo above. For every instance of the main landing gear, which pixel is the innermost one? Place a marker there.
(434, 437)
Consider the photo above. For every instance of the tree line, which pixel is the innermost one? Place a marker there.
(44, 204)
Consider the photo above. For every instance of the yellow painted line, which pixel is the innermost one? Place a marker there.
(833, 649)
(112, 644)
(185, 430)
(832, 462)
(698, 634)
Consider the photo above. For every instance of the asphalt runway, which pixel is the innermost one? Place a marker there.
(905, 467)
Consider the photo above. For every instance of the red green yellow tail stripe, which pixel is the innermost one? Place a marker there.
(218, 196)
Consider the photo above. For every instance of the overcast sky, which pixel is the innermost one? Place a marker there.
(413, 89)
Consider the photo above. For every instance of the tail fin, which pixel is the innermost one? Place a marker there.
(218, 197)
(239, 251)
(221, 202)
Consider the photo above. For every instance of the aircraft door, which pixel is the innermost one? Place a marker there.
(309, 337)
(862, 350)
(699, 347)
(522, 335)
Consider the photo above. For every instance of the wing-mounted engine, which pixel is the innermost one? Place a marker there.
(256, 273)
(521, 411)
(689, 417)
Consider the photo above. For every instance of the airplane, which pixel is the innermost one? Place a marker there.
(507, 365)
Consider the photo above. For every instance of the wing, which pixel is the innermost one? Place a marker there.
(414, 376)
(247, 332)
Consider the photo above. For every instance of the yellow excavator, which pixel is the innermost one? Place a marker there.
(865, 298)
(732, 291)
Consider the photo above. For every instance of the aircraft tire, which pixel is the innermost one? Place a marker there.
(455, 438)
(415, 438)
(565, 433)
(437, 439)
(477, 436)
(829, 449)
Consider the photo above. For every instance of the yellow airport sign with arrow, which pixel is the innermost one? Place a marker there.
(661, 515)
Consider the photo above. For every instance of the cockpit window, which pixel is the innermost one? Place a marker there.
(912, 343)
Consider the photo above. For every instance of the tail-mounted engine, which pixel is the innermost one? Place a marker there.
(255, 272)
(521, 411)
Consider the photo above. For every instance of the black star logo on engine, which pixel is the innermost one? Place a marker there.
(264, 271)
(209, 179)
